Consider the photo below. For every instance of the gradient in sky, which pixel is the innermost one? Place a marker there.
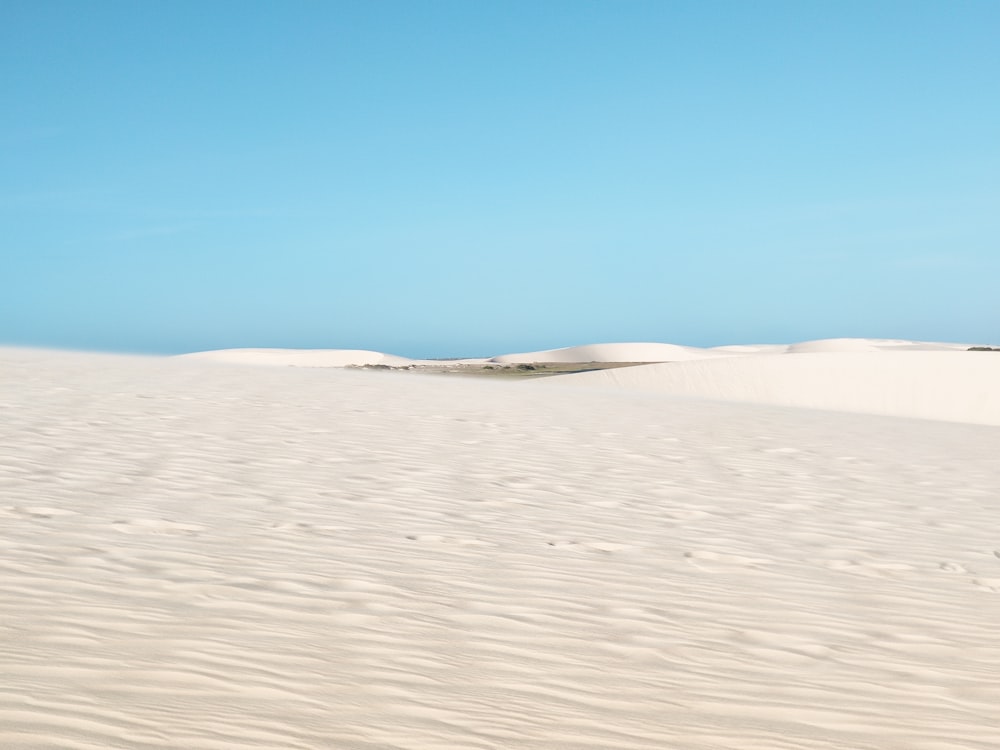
(467, 178)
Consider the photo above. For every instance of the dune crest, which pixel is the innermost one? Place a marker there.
(298, 357)
(956, 386)
(622, 352)
(612, 352)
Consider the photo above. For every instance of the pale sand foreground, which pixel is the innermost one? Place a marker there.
(206, 556)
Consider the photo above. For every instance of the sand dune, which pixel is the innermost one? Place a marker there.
(317, 358)
(870, 345)
(299, 357)
(751, 349)
(840, 345)
(615, 352)
(956, 386)
(344, 357)
(611, 353)
(833, 345)
(208, 556)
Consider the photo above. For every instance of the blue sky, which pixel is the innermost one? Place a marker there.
(466, 178)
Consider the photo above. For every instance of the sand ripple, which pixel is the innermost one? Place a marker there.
(206, 557)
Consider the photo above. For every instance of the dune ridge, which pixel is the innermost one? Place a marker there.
(892, 377)
(300, 357)
(611, 352)
(957, 386)
(623, 352)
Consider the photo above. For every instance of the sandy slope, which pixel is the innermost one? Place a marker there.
(957, 386)
(342, 357)
(299, 357)
(635, 352)
(207, 556)
(614, 352)
(870, 345)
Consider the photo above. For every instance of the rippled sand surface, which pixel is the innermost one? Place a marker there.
(207, 556)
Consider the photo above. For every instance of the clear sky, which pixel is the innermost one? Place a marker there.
(435, 178)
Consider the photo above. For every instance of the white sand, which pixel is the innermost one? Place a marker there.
(312, 358)
(623, 352)
(957, 386)
(206, 556)
(614, 352)
(627, 352)
(299, 357)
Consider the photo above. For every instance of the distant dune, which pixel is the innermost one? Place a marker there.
(895, 377)
(612, 353)
(299, 357)
(622, 352)
(956, 386)
(920, 379)
(313, 358)
(870, 345)
(750, 349)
